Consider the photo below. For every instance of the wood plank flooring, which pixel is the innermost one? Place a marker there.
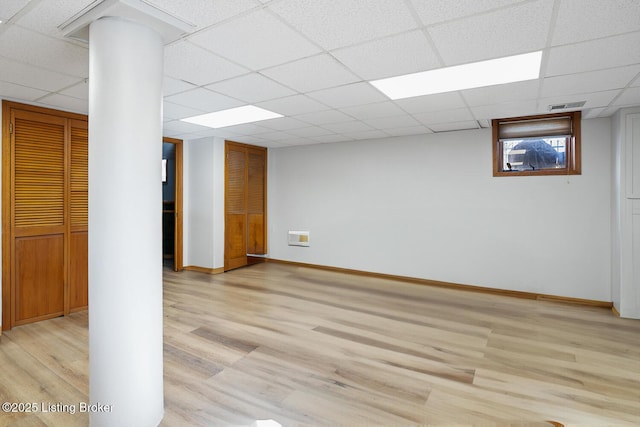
(311, 347)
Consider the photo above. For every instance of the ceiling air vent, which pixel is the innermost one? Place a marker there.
(556, 107)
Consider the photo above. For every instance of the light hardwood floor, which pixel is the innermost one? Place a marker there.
(311, 347)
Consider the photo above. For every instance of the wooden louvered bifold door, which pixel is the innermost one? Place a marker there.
(38, 216)
(256, 190)
(49, 216)
(235, 223)
(79, 216)
(245, 203)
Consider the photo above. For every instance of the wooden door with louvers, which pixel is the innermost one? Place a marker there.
(79, 216)
(256, 200)
(48, 215)
(245, 203)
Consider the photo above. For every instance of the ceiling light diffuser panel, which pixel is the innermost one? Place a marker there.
(232, 116)
(468, 76)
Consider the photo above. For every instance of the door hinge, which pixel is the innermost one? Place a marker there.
(10, 127)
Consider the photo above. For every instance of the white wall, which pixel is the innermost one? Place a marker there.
(427, 206)
(203, 243)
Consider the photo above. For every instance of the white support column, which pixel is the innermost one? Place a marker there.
(125, 223)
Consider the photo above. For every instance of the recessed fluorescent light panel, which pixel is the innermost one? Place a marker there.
(233, 116)
(478, 74)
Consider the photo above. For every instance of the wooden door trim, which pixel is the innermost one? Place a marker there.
(8, 110)
(178, 232)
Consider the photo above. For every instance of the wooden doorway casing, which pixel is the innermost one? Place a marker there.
(177, 252)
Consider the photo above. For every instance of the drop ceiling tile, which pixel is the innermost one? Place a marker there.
(309, 74)
(193, 64)
(172, 86)
(338, 23)
(427, 103)
(593, 100)
(347, 127)
(251, 88)
(504, 110)
(183, 127)
(391, 56)
(48, 15)
(275, 144)
(372, 111)
(283, 123)
(434, 11)
(324, 139)
(277, 136)
(203, 99)
(175, 111)
(295, 141)
(292, 105)
(505, 32)
(348, 95)
(609, 52)
(30, 47)
(66, 103)
(201, 12)
(502, 93)
(412, 130)
(10, 8)
(396, 122)
(10, 90)
(449, 127)
(323, 117)
(79, 90)
(204, 136)
(592, 81)
(444, 116)
(218, 133)
(606, 36)
(35, 77)
(371, 134)
(247, 129)
(576, 21)
(309, 132)
(254, 140)
(630, 96)
(257, 40)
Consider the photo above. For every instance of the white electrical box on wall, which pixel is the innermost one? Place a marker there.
(298, 238)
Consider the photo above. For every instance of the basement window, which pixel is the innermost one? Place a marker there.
(537, 145)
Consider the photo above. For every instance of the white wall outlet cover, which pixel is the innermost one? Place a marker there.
(298, 238)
